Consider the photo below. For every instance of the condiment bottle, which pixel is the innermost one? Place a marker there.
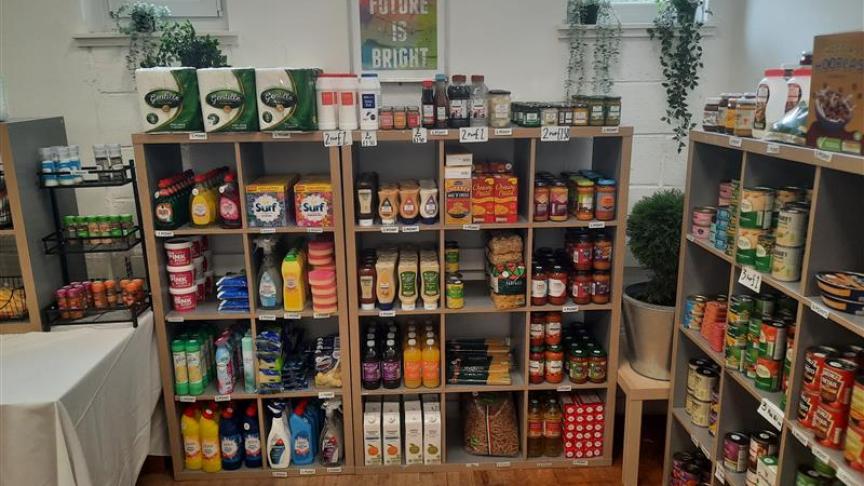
(229, 203)
(388, 203)
(366, 275)
(554, 364)
(459, 96)
(552, 444)
(428, 201)
(427, 100)
(479, 111)
(442, 105)
(409, 201)
(552, 330)
(367, 198)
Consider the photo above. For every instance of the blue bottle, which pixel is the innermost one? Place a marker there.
(251, 437)
(302, 436)
(231, 440)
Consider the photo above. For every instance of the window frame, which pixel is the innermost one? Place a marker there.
(210, 9)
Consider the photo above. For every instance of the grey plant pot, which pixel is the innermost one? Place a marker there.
(648, 335)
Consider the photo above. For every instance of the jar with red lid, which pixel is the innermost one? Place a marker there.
(557, 278)
(583, 252)
(554, 357)
(539, 285)
(536, 365)
(601, 287)
(537, 329)
(541, 201)
(413, 116)
(558, 201)
(553, 329)
(580, 287)
(602, 252)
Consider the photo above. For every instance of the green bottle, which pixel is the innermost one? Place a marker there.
(181, 372)
(194, 366)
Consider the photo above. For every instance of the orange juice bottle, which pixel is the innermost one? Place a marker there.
(413, 358)
(431, 364)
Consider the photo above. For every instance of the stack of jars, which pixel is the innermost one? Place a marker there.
(97, 229)
(75, 299)
(585, 195)
(557, 350)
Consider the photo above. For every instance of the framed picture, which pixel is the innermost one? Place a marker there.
(401, 40)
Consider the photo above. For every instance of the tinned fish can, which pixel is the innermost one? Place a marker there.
(786, 263)
(704, 383)
(725, 190)
(772, 340)
(701, 413)
(791, 226)
(755, 208)
(836, 382)
(762, 443)
(746, 242)
(829, 423)
(814, 363)
(736, 447)
(764, 252)
(807, 402)
(768, 374)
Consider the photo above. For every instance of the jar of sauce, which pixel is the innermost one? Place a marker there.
(536, 362)
(413, 116)
(558, 201)
(745, 112)
(604, 207)
(537, 329)
(400, 118)
(580, 288)
(552, 330)
(539, 285)
(554, 364)
(580, 111)
(584, 199)
(731, 114)
(583, 252)
(557, 278)
(541, 201)
(600, 294)
(612, 111)
(385, 117)
(710, 114)
(388, 203)
(578, 363)
(602, 252)
(596, 111)
(597, 364)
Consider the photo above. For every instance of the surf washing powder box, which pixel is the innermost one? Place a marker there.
(286, 98)
(168, 97)
(228, 99)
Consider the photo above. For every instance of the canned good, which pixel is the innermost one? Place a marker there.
(763, 306)
(704, 215)
(451, 257)
(694, 309)
(829, 423)
(791, 226)
(688, 404)
(746, 242)
(856, 402)
(853, 353)
(700, 415)
(755, 208)
(704, 383)
(807, 402)
(455, 291)
(740, 307)
(734, 354)
(853, 446)
(751, 354)
(764, 252)
(693, 365)
(768, 374)
(807, 476)
(772, 340)
(762, 443)
(814, 363)
(786, 263)
(735, 449)
(836, 382)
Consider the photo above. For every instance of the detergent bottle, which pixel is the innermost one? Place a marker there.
(302, 435)
(294, 287)
(191, 432)
(211, 460)
(332, 445)
(231, 440)
(279, 438)
(251, 437)
(269, 278)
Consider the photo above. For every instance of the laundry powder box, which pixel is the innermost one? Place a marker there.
(313, 201)
(228, 99)
(169, 99)
(269, 201)
(286, 99)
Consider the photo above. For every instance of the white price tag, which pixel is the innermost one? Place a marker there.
(334, 470)
(597, 224)
(386, 313)
(690, 237)
(326, 395)
(750, 278)
(267, 231)
(280, 474)
(222, 398)
(772, 413)
(280, 134)
(502, 464)
(307, 471)
(580, 462)
(291, 315)
(369, 138)
(419, 135)
(174, 318)
(198, 136)
(439, 132)
(824, 156)
(267, 317)
(801, 436)
(554, 134)
(472, 464)
(564, 388)
(846, 477)
(820, 454)
(389, 229)
(318, 315)
(735, 141)
(609, 130)
(411, 229)
(772, 148)
(315, 229)
(186, 398)
(473, 134)
(337, 138)
(164, 234)
(719, 473)
(503, 132)
(544, 464)
(819, 309)
(471, 227)
(570, 308)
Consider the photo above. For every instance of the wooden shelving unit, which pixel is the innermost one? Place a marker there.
(835, 238)
(396, 156)
(250, 155)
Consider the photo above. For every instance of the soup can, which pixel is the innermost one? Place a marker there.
(853, 446)
(764, 251)
(701, 413)
(762, 443)
(829, 423)
(786, 263)
(768, 374)
(772, 340)
(692, 366)
(740, 307)
(746, 242)
(814, 363)
(807, 402)
(788, 194)
(856, 403)
(736, 447)
(763, 306)
(756, 206)
(791, 226)
(704, 215)
(704, 383)
(836, 382)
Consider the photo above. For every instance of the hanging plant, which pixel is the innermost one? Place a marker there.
(607, 48)
(140, 21)
(575, 81)
(180, 45)
(600, 16)
(679, 33)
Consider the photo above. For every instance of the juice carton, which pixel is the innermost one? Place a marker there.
(506, 196)
(483, 198)
(392, 432)
(372, 432)
(457, 195)
(413, 430)
(313, 201)
(431, 430)
(269, 201)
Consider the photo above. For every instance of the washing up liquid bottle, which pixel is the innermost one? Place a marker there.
(269, 276)
(200, 203)
(279, 438)
(191, 432)
(194, 366)
(251, 437)
(302, 436)
(211, 460)
(332, 446)
(294, 287)
(231, 440)
(229, 202)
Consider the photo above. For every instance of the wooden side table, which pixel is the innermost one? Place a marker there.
(637, 388)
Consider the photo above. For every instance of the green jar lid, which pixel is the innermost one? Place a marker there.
(584, 182)
(598, 353)
(69, 220)
(114, 219)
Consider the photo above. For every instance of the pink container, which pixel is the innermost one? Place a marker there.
(702, 232)
(703, 216)
(201, 289)
(179, 252)
(181, 277)
(319, 277)
(323, 291)
(184, 300)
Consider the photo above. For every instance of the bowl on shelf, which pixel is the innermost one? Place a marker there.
(842, 286)
(843, 305)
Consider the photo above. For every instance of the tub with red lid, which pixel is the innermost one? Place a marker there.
(184, 300)
(178, 252)
(181, 277)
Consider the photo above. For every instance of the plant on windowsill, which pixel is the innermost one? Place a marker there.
(140, 21)
(607, 48)
(599, 16)
(180, 45)
(680, 36)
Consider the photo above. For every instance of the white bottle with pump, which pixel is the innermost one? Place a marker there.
(370, 101)
(279, 439)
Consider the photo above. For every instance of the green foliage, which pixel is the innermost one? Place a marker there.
(144, 19)
(679, 33)
(180, 45)
(654, 230)
(607, 46)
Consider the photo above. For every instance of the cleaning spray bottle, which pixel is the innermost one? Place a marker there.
(279, 438)
(303, 439)
(332, 445)
(269, 275)
(251, 437)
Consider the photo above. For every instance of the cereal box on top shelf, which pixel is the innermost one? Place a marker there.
(269, 201)
(313, 201)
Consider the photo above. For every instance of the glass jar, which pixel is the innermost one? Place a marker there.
(597, 365)
(558, 201)
(604, 200)
(554, 358)
(612, 108)
(584, 199)
(722, 108)
(537, 329)
(578, 363)
(548, 115)
(596, 111)
(565, 115)
(499, 108)
(602, 256)
(745, 112)
(413, 116)
(541, 200)
(531, 115)
(552, 331)
(580, 290)
(536, 362)
(710, 114)
(600, 288)
(385, 117)
(557, 277)
(400, 118)
(539, 290)
(583, 252)
(731, 114)
(581, 111)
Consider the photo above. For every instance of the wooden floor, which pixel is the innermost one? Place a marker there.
(650, 472)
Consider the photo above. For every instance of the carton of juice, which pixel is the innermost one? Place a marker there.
(506, 197)
(392, 432)
(483, 198)
(413, 430)
(313, 201)
(431, 430)
(457, 195)
(372, 432)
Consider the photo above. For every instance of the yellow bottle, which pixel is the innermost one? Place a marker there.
(431, 364)
(413, 364)
(211, 457)
(191, 438)
(202, 205)
(293, 284)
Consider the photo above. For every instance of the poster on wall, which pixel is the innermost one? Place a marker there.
(401, 40)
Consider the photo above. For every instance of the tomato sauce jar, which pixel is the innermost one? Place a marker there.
(583, 252)
(539, 285)
(580, 289)
(554, 364)
(536, 368)
(537, 329)
(557, 285)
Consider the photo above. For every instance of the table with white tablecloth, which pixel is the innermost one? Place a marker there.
(76, 404)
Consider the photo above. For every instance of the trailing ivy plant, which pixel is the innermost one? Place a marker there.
(679, 33)
(607, 48)
(140, 21)
(181, 45)
(575, 81)
(607, 45)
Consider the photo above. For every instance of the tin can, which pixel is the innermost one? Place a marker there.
(788, 194)
(734, 354)
(688, 404)
(852, 353)
(735, 449)
(701, 413)
(791, 226)
(768, 374)
(786, 263)
(751, 354)
(755, 208)
(762, 443)
(725, 190)
(764, 252)
(856, 403)
(740, 307)
(814, 363)
(853, 446)
(704, 383)
(692, 366)
(451, 257)
(807, 476)
(772, 340)
(807, 402)
(455, 291)
(836, 382)
(829, 423)
(703, 215)
(702, 233)
(764, 305)
(694, 310)
(746, 242)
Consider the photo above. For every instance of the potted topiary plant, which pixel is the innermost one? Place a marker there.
(654, 231)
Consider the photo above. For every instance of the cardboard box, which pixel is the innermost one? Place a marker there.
(483, 198)
(835, 121)
(313, 201)
(457, 195)
(766, 471)
(457, 156)
(506, 198)
(431, 430)
(270, 201)
(392, 432)
(372, 432)
(413, 430)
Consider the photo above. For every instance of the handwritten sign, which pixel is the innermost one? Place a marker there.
(772, 413)
(564, 388)
(820, 454)
(337, 138)
(314, 229)
(280, 474)
(503, 132)
(720, 474)
(554, 134)
(174, 318)
(267, 317)
(502, 464)
(334, 470)
(222, 398)
(419, 135)
(751, 279)
(186, 398)
(847, 477)
(307, 471)
(439, 132)
(801, 436)
(319, 315)
(580, 462)
(411, 228)
(326, 395)
(369, 138)
(473, 134)
(266, 231)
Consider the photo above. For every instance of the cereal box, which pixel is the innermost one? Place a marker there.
(457, 195)
(483, 198)
(506, 193)
(269, 201)
(313, 201)
(372, 432)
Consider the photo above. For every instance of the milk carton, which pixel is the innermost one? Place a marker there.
(168, 97)
(413, 430)
(431, 430)
(228, 99)
(286, 98)
(372, 432)
(392, 432)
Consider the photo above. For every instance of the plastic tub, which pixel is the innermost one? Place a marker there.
(181, 277)
(184, 300)
(198, 263)
(201, 289)
(197, 246)
(179, 252)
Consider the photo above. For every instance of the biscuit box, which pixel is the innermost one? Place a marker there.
(313, 201)
(483, 198)
(269, 201)
(457, 195)
(506, 193)
(835, 121)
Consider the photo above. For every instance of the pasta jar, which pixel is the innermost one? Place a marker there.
(597, 364)
(539, 290)
(385, 117)
(557, 277)
(541, 201)
(536, 368)
(604, 207)
(558, 201)
(584, 199)
(413, 116)
(554, 357)
(596, 111)
(580, 111)
(552, 331)
(400, 118)
(499, 108)
(537, 329)
(600, 289)
(602, 258)
(612, 110)
(583, 252)
(580, 290)
(578, 362)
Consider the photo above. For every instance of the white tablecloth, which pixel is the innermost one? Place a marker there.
(76, 404)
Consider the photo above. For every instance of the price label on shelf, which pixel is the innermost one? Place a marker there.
(544, 464)
(439, 132)
(772, 148)
(554, 134)
(369, 138)
(720, 474)
(267, 317)
(337, 138)
(471, 227)
(473, 134)
(164, 234)
(502, 464)
(419, 135)
(819, 309)
(280, 474)
(820, 454)
(198, 136)
(564, 388)
(503, 132)
(318, 315)
(848, 478)
(389, 229)
(307, 471)
(186, 398)
(267, 231)
(291, 315)
(801, 436)
(334, 470)
(326, 395)
(387, 313)
(735, 141)
(315, 229)
(413, 228)
(597, 224)
(222, 398)
(280, 134)
(580, 462)
(609, 130)
(772, 413)
(570, 308)
(751, 279)
(824, 156)
(174, 318)
(472, 464)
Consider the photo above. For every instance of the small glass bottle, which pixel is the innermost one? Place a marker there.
(427, 101)
(479, 110)
(459, 96)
